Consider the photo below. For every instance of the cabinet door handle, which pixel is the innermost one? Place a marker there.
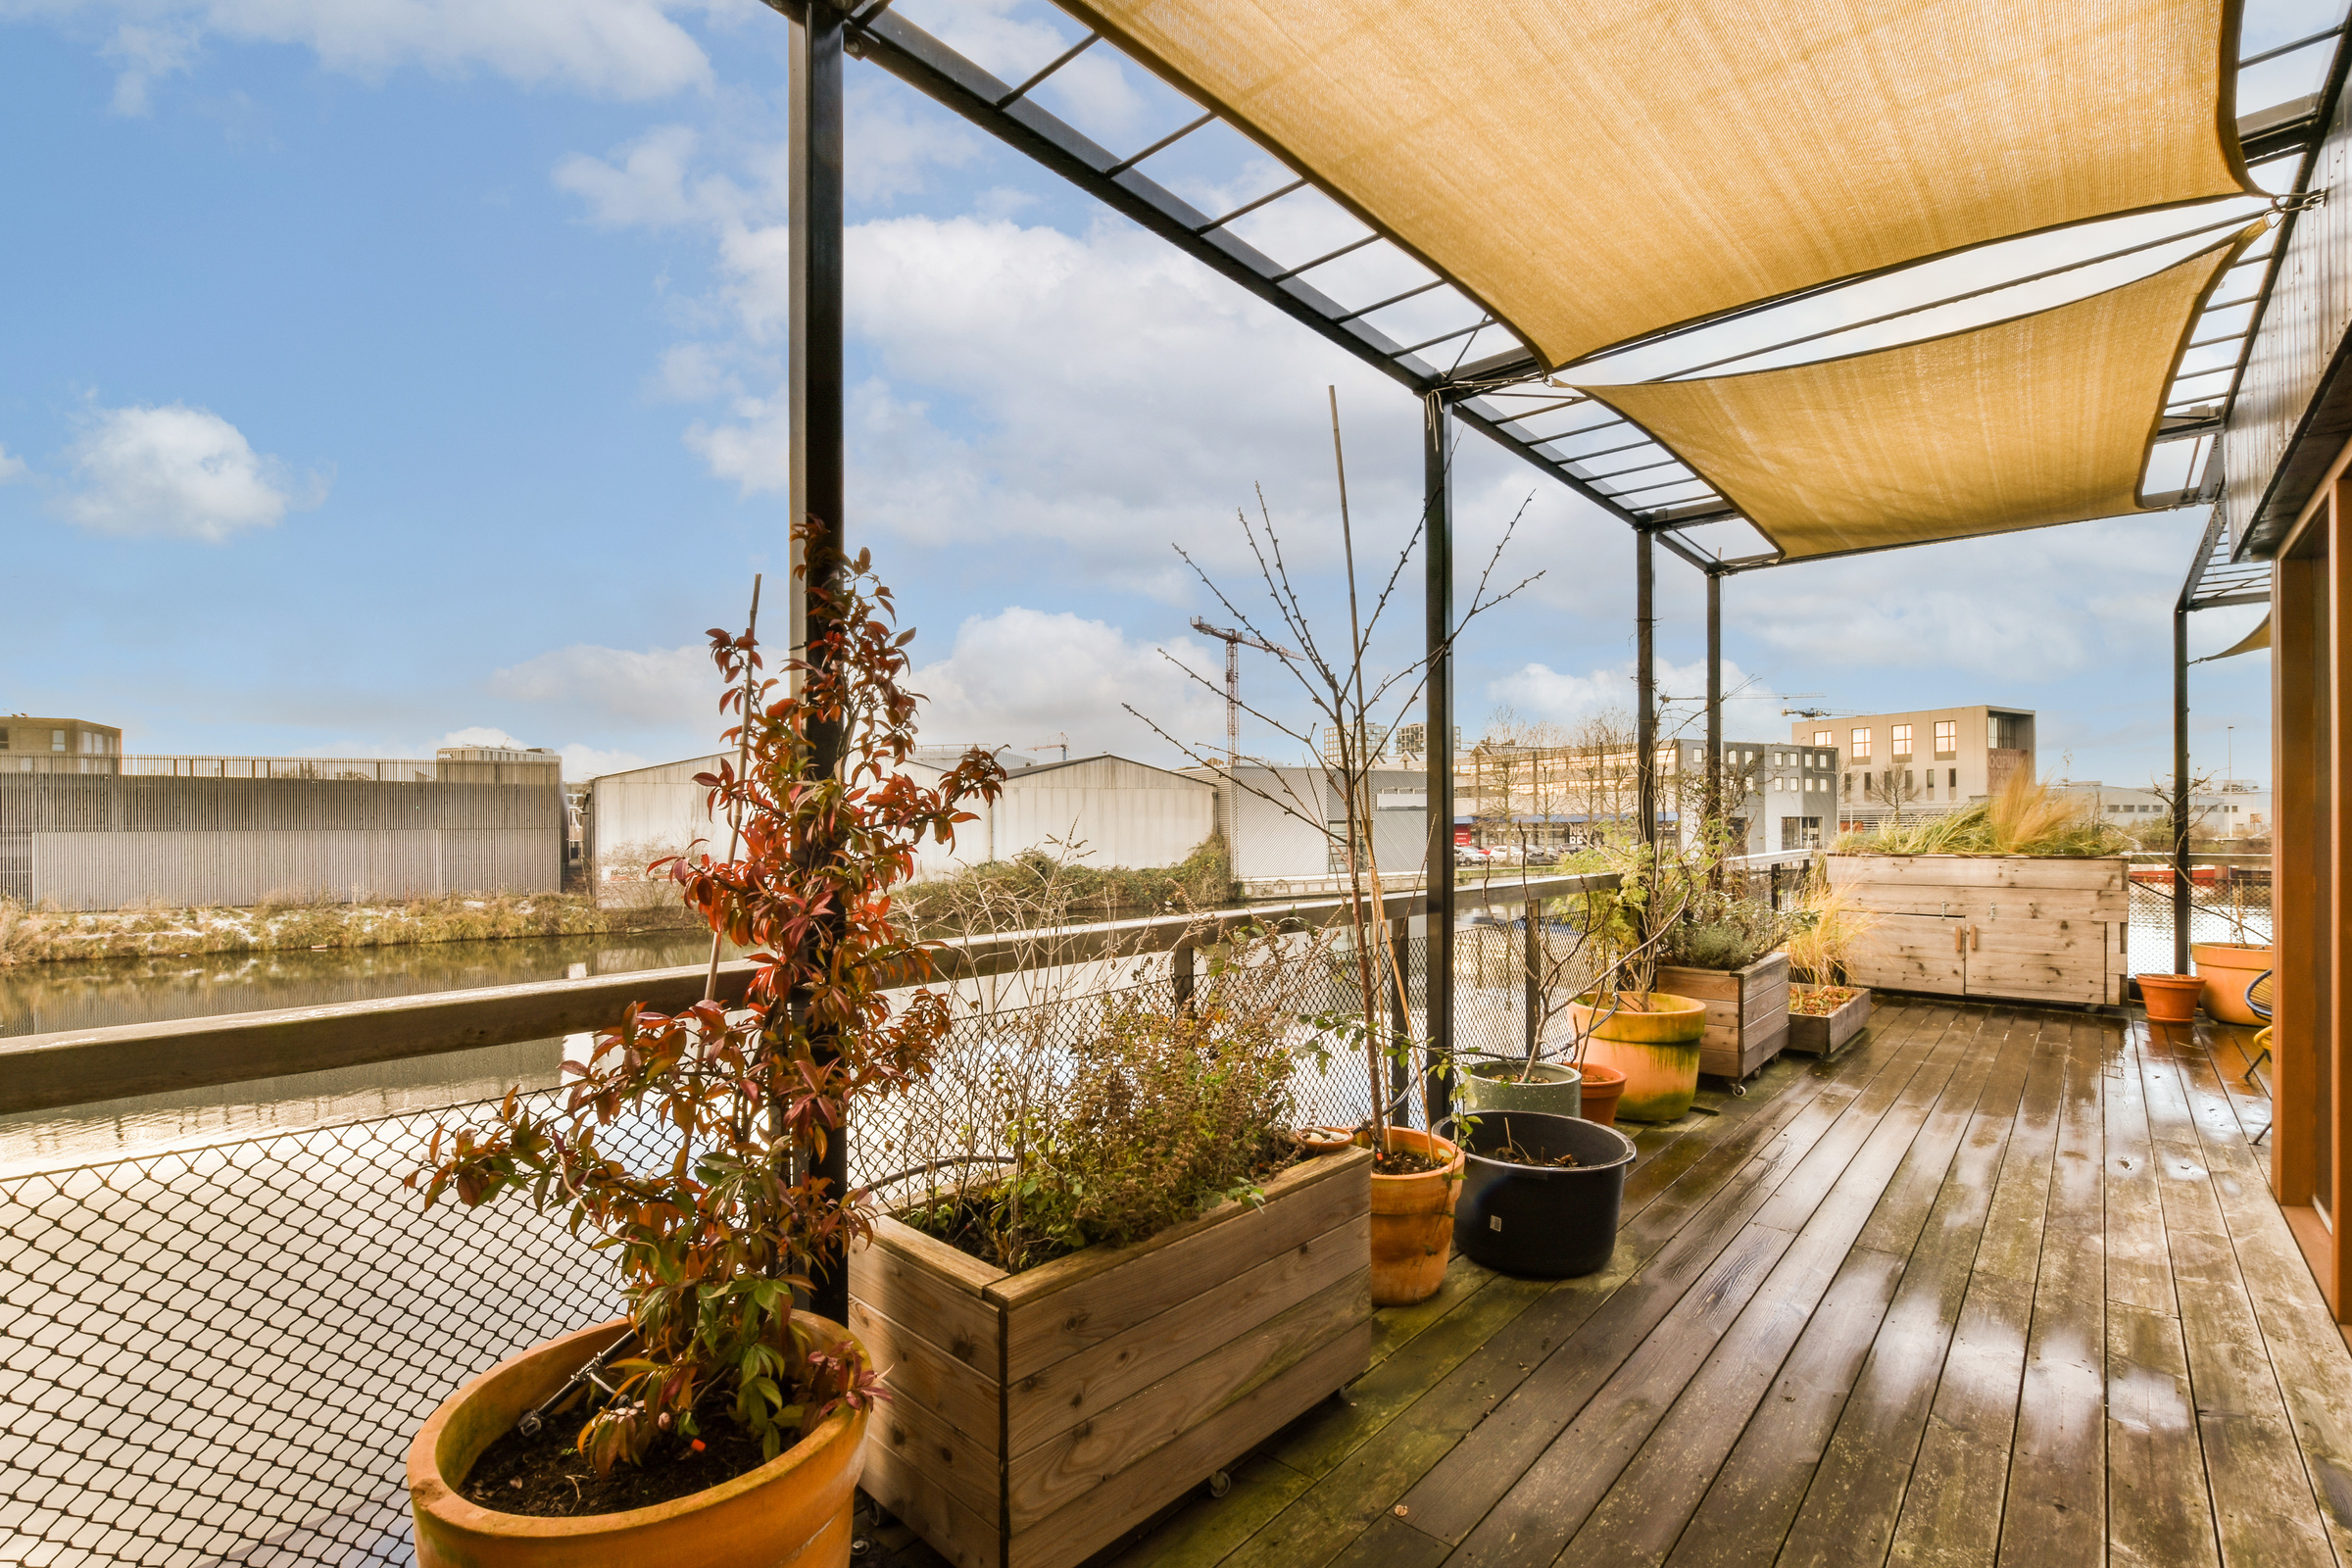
(1959, 939)
(1976, 939)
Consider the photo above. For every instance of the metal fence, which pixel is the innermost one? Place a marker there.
(2229, 901)
(218, 1355)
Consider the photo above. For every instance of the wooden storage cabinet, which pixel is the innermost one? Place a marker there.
(2028, 927)
(1036, 1417)
(1747, 1011)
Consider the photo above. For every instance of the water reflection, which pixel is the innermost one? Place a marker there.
(45, 999)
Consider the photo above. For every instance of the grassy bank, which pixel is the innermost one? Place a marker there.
(51, 936)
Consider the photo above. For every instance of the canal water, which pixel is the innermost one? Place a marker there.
(48, 998)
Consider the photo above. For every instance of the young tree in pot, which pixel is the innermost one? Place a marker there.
(732, 1418)
(1625, 1022)
(1417, 1174)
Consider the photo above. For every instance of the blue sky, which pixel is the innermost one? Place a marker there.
(378, 375)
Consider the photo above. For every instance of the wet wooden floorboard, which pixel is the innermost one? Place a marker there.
(1998, 1287)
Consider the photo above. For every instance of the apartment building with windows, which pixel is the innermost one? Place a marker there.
(1932, 760)
(30, 744)
(1777, 796)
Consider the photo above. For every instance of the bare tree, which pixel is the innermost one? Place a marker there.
(1354, 704)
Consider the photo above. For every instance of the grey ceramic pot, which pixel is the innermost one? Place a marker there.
(1492, 1083)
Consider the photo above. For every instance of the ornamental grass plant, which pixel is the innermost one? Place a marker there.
(2025, 817)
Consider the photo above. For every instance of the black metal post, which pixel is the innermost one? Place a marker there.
(815, 263)
(1437, 424)
(2180, 890)
(1716, 811)
(1646, 688)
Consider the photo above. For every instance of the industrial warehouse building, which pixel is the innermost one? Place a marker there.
(241, 831)
(1121, 813)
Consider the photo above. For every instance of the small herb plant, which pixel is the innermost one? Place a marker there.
(710, 1244)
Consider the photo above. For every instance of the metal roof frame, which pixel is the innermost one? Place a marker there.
(1474, 390)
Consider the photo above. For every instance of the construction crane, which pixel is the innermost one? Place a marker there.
(1234, 641)
(1060, 743)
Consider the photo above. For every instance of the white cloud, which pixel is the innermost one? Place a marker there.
(146, 55)
(673, 688)
(179, 471)
(649, 185)
(1019, 675)
(1099, 392)
(12, 468)
(1538, 692)
(627, 49)
(582, 762)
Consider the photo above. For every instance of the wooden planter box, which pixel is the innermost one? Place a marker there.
(1814, 1035)
(1036, 1417)
(2028, 927)
(1747, 1011)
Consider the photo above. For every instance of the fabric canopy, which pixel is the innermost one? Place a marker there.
(1591, 170)
(2039, 419)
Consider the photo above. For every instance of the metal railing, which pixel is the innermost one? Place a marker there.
(218, 1355)
(2229, 901)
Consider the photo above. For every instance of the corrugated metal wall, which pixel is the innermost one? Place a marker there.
(103, 843)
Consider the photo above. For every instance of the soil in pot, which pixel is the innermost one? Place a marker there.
(1653, 1039)
(547, 1476)
(2228, 968)
(1602, 1087)
(1412, 1216)
(1541, 1194)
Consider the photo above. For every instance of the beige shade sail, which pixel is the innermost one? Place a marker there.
(1592, 170)
(2038, 419)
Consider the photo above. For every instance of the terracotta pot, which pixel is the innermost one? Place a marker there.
(791, 1512)
(1657, 1051)
(2228, 968)
(1412, 1222)
(1602, 1087)
(1326, 1140)
(2171, 998)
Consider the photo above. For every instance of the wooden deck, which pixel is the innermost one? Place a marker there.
(1998, 1287)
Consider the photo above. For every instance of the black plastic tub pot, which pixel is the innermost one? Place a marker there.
(1540, 1221)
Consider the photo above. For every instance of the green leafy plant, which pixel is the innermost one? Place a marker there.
(1162, 1112)
(711, 1242)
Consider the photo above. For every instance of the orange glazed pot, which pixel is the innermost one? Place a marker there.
(2171, 998)
(2228, 968)
(1656, 1048)
(1412, 1222)
(792, 1512)
(1602, 1086)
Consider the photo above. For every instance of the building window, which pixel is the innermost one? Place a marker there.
(1947, 738)
(1861, 747)
(57, 739)
(1823, 737)
(1898, 743)
(3, 737)
(1952, 778)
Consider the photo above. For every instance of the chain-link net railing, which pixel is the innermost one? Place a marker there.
(218, 1355)
(2229, 901)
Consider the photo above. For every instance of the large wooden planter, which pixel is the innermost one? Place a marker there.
(1826, 1034)
(1747, 1011)
(1036, 1417)
(2028, 927)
